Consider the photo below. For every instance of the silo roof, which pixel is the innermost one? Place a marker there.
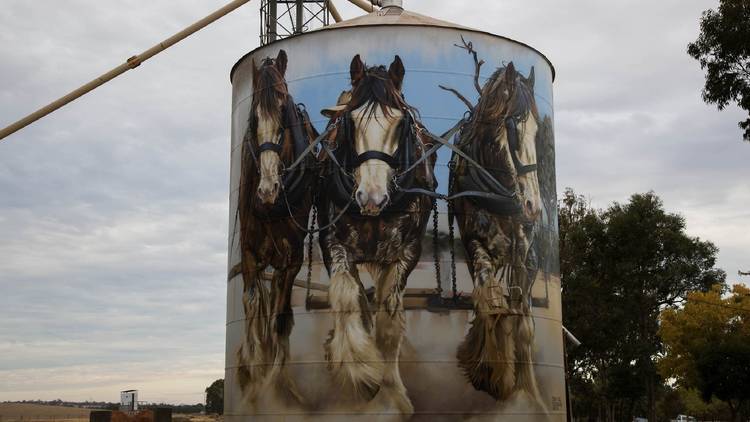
(397, 16)
(394, 16)
(400, 17)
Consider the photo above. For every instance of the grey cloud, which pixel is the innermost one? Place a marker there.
(113, 211)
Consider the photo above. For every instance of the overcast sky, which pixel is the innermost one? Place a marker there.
(114, 210)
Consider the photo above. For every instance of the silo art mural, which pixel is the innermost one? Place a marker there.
(394, 245)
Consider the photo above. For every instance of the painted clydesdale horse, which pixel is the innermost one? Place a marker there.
(373, 159)
(496, 355)
(273, 205)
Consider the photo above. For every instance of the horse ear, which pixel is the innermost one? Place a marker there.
(397, 72)
(357, 69)
(281, 61)
(255, 74)
(531, 79)
(510, 73)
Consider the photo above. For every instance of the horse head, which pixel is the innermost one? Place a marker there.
(375, 112)
(507, 104)
(268, 109)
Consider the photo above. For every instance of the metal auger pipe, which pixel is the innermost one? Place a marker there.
(333, 11)
(364, 5)
(131, 63)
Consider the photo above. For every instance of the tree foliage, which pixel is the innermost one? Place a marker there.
(215, 397)
(620, 267)
(707, 345)
(723, 50)
(714, 409)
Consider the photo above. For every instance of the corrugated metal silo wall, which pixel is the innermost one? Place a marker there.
(518, 379)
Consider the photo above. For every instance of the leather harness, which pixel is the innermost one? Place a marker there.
(344, 160)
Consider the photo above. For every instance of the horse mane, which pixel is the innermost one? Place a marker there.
(376, 89)
(493, 106)
(520, 103)
(270, 88)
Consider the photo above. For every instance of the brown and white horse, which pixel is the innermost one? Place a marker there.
(273, 205)
(496, 354)
(375, 144)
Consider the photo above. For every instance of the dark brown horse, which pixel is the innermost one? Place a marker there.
(273, 206)
(497, 234)
(373, 159)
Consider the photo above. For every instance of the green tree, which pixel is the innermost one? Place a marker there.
(711, 410)
(671, 405)
(215, 397)
(708, 346)
(620, 267)
(723, 50)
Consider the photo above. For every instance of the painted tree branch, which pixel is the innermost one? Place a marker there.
(469, 47)
(460, 97)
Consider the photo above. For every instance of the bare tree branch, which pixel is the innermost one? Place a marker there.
(460, 97)
(469, 47)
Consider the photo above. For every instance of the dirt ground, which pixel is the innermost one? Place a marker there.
(196, 418)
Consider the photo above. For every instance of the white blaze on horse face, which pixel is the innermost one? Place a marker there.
(529, 182)
(374, 131)
(268, 131)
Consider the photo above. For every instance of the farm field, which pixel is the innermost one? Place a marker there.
(28, 412)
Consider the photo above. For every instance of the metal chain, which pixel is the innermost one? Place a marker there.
(451, 240)
(436, 247)
(311, 235)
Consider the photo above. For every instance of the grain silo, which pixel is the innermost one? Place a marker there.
(431, 287)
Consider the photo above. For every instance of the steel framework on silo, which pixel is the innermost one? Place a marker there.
(280, 19)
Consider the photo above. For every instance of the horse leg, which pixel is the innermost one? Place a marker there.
(524, 327)
(390, 325)
(252, 354)
(281, 328)
(354, 360)
(487, 353)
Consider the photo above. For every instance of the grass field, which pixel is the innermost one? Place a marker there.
(27, 412)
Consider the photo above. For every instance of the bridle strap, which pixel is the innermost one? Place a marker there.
(376, 155)
(270, 146)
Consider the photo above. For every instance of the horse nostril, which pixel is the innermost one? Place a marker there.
(384, 202)
(276, 186)
(529, 206)
(360, 196)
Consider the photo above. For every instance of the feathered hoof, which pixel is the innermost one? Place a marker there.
(287, 389)
(486, 357)
(391, 404)
(250, 374)
(356, 367)
(362, 380)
